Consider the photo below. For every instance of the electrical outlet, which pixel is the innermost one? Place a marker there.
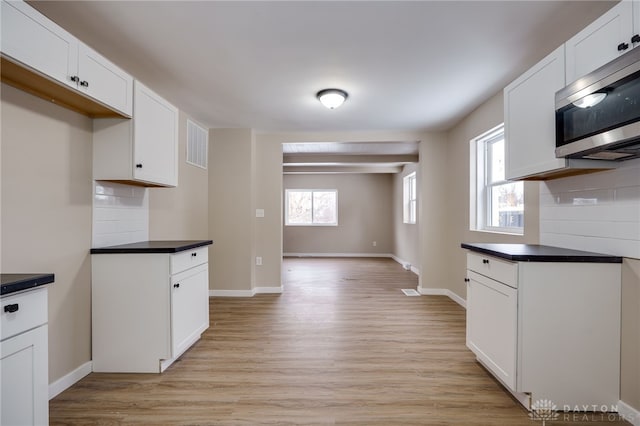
(375, 243)
(259, 212)
(258, 261)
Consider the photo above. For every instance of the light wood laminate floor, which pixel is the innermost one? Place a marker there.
(341, 345)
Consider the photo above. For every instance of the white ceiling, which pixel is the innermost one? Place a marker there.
(406, 65)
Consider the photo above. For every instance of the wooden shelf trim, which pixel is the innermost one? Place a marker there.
(39, 85)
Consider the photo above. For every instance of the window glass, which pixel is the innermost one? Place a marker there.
(299, 207)
(311, 207)
(410, 198)
(324, 207)
(499, 204)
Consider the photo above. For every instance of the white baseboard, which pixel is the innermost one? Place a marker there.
(337, 255)
(629, 413)
(245, 293)
(267, 290)
(68, 380)
(443, 292)
(404, 262)
(230, 293)
(400, 261)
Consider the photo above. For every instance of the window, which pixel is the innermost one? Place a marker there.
(311, 207)
(409, 198)
(197, 141)
(499, 204)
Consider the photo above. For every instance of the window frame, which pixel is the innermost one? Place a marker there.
(410, 199)
(481, 198)
(286, 207)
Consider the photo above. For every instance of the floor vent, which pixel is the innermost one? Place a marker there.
(410, 292)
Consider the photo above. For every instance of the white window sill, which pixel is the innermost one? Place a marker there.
(311, 224)
(498, 231)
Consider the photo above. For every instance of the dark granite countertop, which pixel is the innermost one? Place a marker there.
(538, 253)
(152, 247)
(11, 283)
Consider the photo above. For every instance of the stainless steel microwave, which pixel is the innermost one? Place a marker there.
(598, 116)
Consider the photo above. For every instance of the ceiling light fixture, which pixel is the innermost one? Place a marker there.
(332, 98)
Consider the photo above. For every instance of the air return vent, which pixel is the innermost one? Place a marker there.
(197, 142)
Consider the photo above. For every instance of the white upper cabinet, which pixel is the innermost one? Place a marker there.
(47, 53)
(35, 41)
(143, 150)
(104, 81)
(529, 101)
(529, 118)
(530, 125)
(602, 41)
(156, 138)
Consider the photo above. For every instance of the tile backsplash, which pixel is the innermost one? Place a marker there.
(596, 212)
(120, 214)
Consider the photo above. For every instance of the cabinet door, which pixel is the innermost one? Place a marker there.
(492, 326)
(189, 307)
(155, 138)
(104, 81)
(598, 43)
(33, 40)
(25, 379)
(529, 118)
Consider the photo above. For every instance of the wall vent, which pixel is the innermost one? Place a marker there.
(197, 144)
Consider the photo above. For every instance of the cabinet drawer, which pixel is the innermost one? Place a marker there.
(30, 311)
(188, 259)
(494, 268)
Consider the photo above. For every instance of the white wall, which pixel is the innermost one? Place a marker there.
(232, 209)
(181, 213)
(405, 235)
(365, 211)
(457, 179)
(268, 197)
(268, 190)
(46, 215)
(598, 212)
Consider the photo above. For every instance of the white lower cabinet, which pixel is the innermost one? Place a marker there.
(491, 325)
(189, 307)
(24, 359)
(147, 308)
(547, 330)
